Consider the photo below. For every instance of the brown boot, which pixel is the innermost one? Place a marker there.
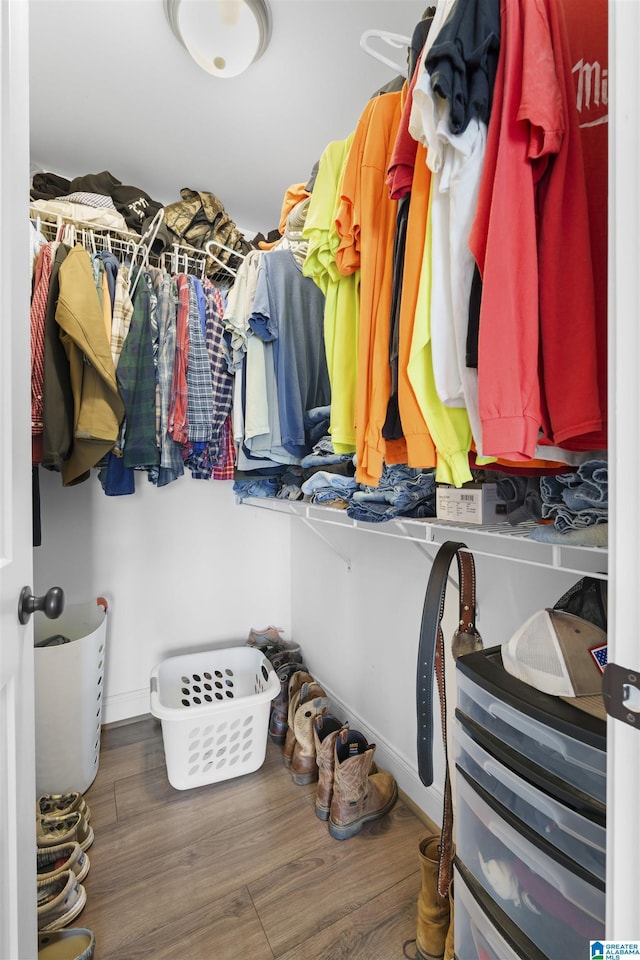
(280, 706)
(433, 910)
(449, 944)
(359, 796)
(295, 683)
(325, 731)
(304, 768)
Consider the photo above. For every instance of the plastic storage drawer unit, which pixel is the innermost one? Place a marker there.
(555, 743)
(581, 839)
(557, 909)
(214, 708)
(481, 929)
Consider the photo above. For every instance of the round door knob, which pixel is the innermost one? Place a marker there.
(52, 604)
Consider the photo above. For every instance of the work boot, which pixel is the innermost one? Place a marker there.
(295, 682)
(325, 731)
(279, 706)
(433, 910)
(449, 944)
(304, 768)
(359, 796)
(308, 690)
(275, 649)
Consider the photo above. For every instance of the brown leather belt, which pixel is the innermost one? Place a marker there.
(431, 656)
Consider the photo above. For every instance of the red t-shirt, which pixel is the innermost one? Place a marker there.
(503, 242)
(537, 348)
(586, 32)
(568, 333)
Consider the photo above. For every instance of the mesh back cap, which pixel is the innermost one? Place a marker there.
(560, 654)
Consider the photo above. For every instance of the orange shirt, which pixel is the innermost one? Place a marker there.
(365, 223)
(421, 451)
(294, 195)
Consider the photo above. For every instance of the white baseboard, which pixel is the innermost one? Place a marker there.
(125, 706)
(427, 799)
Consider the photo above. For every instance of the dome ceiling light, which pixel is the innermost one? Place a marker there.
(224, 37)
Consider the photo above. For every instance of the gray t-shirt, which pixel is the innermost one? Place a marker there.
(288, 309)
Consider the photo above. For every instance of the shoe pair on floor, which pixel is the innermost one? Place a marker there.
(63, 834)
(351, 791)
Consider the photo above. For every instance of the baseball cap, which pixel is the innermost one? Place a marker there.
(560, 654)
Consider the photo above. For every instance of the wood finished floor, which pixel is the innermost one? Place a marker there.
(239, 869)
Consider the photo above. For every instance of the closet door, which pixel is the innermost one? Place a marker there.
(623, 748)
(17, 754)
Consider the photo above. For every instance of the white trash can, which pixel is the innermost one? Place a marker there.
(68, 697)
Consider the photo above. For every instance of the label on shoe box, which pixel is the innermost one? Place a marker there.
(470, 503)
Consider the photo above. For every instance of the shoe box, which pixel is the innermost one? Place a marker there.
(529, 819)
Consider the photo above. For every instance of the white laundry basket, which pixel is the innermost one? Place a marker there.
(214, 708)
(68, 697)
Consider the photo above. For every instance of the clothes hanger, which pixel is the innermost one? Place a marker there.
(69, 234)
(224, 266)
(221, 246)
(145, 243)
(396, 40)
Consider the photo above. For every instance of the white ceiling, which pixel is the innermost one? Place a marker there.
(112, 89)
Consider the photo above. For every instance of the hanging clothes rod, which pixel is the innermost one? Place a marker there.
(395, 40)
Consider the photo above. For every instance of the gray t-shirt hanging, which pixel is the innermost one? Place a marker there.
(288, 308)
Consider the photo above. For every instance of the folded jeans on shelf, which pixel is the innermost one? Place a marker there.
(593, 536)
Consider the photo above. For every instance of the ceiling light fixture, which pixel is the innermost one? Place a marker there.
(224, 37)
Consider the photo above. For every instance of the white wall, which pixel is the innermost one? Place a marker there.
(359, 631)
(187, 568)
(183, 568)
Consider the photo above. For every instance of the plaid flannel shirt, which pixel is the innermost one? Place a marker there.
(171, 464)
(199, 385)
(137, 382)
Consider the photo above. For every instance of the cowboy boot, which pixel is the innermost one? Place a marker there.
(307, 691)
(304, 768)
(359, 796)
(280, 706)
(433, 910)
(325, 731)
(295, 683)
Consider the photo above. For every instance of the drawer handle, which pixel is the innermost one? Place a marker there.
(538, 733)
(516, 784)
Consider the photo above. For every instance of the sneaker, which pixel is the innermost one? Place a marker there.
(74, 943)
(261, 638)
(60, 900)
(63, 856)
(59, 804)
(69, 828)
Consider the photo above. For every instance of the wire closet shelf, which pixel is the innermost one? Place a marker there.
(135, 248)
